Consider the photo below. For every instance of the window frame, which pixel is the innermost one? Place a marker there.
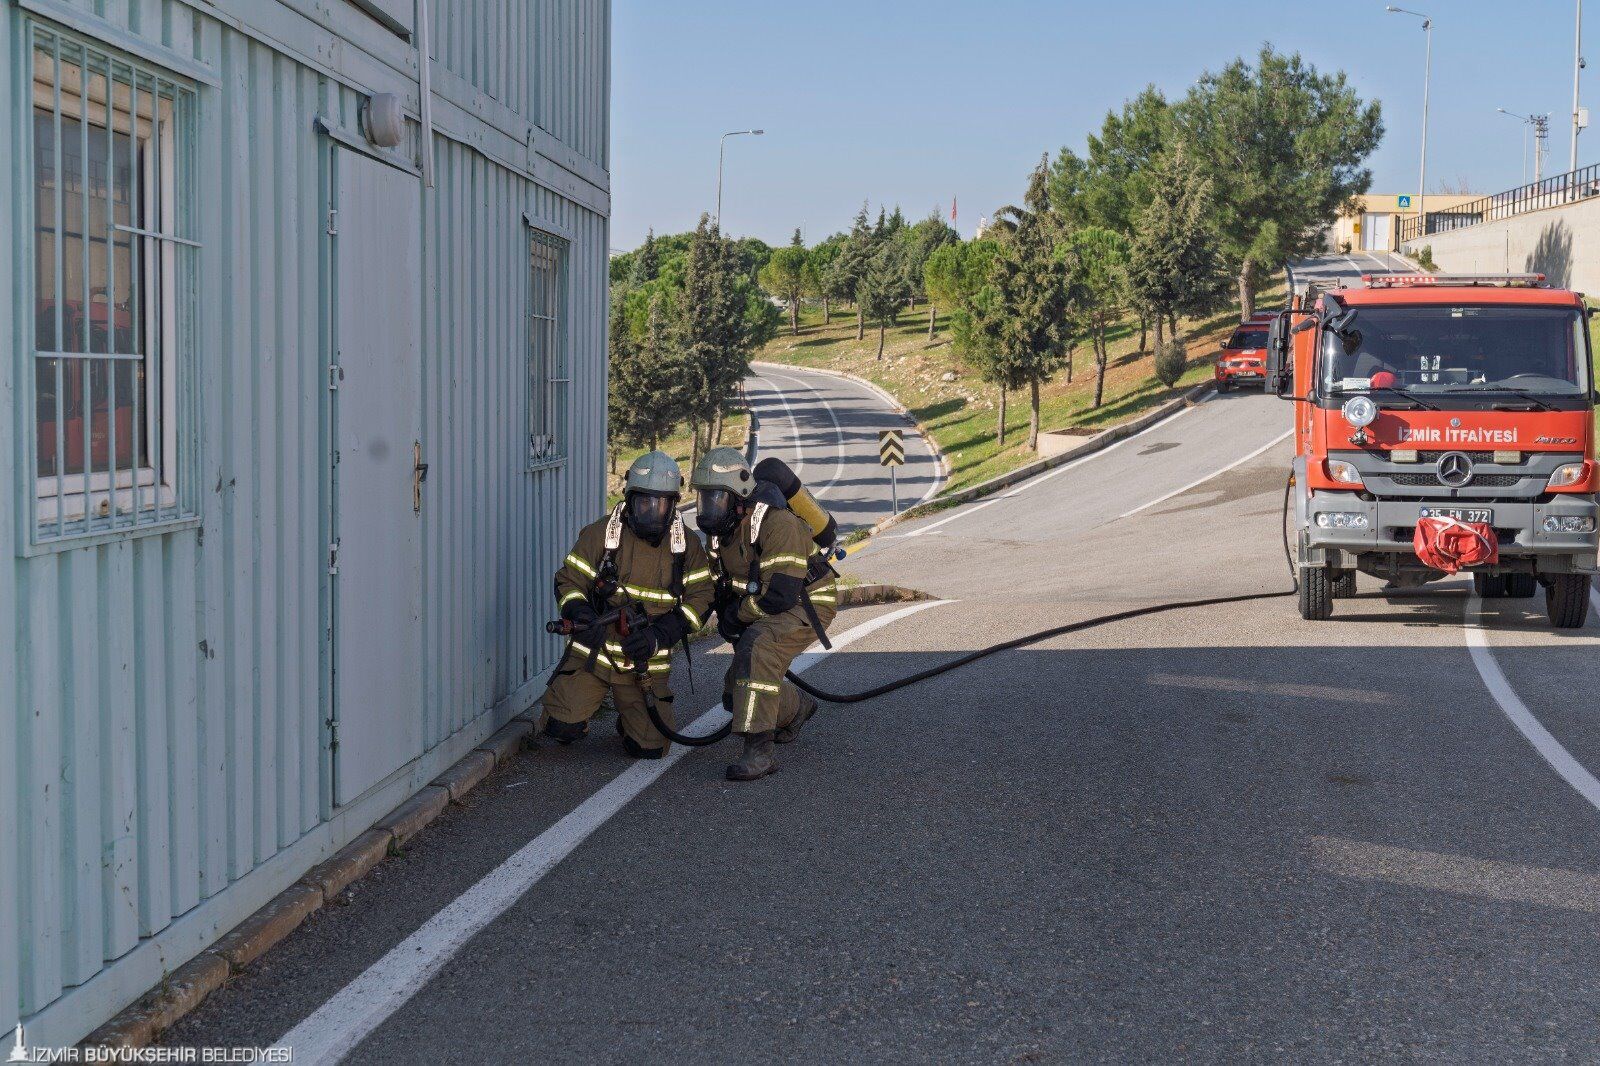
(548, 384)
(156, 110)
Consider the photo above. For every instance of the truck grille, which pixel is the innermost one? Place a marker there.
(1488, 481)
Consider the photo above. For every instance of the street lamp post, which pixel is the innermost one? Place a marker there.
(722, 146)
(1427, 79)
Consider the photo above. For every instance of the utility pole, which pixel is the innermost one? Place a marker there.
(1577, 68)
(722, 146)
(1540, 124)
(1427, 80)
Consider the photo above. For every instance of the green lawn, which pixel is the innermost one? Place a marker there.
(961, 414)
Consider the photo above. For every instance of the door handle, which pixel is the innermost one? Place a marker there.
(419, 474)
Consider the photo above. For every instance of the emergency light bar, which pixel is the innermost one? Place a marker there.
(1399, 281)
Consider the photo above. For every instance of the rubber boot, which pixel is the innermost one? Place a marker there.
(788, 734)
(565, 732)
(639, 751)
(756, 762)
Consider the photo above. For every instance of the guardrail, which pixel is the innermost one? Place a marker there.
(1572, 187)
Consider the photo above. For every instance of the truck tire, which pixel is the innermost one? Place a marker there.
(1566, 599)
(1489, 586)
(1344, 586)
(1521, 586)
(1316, 594)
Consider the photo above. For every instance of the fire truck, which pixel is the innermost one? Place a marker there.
(1449, 401)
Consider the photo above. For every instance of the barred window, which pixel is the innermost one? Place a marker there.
(547, 349)
(113, 287)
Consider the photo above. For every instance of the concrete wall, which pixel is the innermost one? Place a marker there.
(164, 693)
(1562, 243)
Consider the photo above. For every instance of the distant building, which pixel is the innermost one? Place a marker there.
(1373, 225)
(301, 401)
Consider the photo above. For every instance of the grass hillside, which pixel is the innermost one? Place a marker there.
(961, 413)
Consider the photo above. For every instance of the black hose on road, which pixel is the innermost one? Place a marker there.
(1006, 645)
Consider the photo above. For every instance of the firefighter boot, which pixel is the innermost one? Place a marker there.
(565, 732)
(790, 731)
(756, 762)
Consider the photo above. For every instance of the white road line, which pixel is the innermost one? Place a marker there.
(334, 1029)
(1215, 473)
(1042, 478)
(1549, 748)
(838, 434)
(794, 426)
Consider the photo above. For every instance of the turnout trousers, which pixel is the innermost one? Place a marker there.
(755, 691)
(575, 694)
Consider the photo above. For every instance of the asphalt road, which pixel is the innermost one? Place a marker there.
(1210, 835)
(1328, 270)
(826, 427)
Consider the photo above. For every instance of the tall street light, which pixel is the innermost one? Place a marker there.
(722, 147)
(1427, 78)
(1577, 67)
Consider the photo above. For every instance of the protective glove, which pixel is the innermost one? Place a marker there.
(640, 644)
(580, 614)
(728, 624)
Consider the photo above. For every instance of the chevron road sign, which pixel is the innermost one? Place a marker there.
(891, 448)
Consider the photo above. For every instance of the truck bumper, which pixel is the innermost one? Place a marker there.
(1389, 526)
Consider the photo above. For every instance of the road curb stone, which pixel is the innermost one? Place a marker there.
(409, 819)
(183, 990)
(256, 934)
(350, 863)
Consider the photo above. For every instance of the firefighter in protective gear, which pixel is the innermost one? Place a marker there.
(775, 594)
(641, 556)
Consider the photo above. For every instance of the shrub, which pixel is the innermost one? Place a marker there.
(1425, 259)
(1172, 359)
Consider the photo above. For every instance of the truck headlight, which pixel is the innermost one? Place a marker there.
(1569, 523)
(1360, 411)
(1569, 474)
(1341, 520)
(1344, 472)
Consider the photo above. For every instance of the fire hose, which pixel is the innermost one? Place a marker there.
(1023, 641)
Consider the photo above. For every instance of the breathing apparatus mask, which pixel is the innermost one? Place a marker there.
(717, 512)
(649, 515)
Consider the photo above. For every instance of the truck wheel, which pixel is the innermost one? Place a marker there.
(1521, 586)
(1489, 586)
(1316, 594)
(1344, 586)
(1566, 599)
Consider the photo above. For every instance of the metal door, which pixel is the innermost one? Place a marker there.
(376, 554)
(1377, 234)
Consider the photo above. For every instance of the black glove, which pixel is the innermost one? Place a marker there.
(640, 644)
(728, 623)
(580, 614)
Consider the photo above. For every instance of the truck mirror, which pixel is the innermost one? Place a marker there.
(1277, 350)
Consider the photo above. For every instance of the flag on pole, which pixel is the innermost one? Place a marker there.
(952, 210)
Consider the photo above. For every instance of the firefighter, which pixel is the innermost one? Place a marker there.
(775, 594)
(639, 556)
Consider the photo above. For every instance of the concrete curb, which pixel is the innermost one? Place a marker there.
(1098, 442)
(889, 398)
(188, 986)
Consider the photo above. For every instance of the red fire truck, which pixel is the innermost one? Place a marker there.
(1467, 400)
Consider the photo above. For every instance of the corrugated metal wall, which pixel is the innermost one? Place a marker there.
(164, 697)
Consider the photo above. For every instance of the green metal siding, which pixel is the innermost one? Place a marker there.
(163, 759)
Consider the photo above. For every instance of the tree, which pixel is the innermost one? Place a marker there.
(826, 287)
(1173, 265)
(647, 261)
(784, 276)
(1100, 280)
(648, 391)
(883, 287)
(953, 275)
(1108, 184)
(920, 242)
(1025, 318)
(1172, 359)
(851, 263)
(712, 331)
(1283, 146)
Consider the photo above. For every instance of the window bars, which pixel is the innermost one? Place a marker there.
(547, 348)
(114, 289)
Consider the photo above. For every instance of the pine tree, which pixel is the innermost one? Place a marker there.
(851, 263)
(646, 261)
(1172, 261)
(784, 276)
(712, 331)
(1100, 259)
(884, 287)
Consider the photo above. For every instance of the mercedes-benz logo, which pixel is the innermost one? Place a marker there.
(1455, 469)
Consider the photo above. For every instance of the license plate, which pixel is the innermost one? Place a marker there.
(1461, 514)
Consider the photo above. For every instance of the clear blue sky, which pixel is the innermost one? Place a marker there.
(915, 102)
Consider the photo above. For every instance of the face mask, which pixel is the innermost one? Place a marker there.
(717, 513)
(649, 516)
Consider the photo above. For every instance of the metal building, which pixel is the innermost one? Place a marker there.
(302, 396)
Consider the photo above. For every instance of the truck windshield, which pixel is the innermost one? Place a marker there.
(1444, 350)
